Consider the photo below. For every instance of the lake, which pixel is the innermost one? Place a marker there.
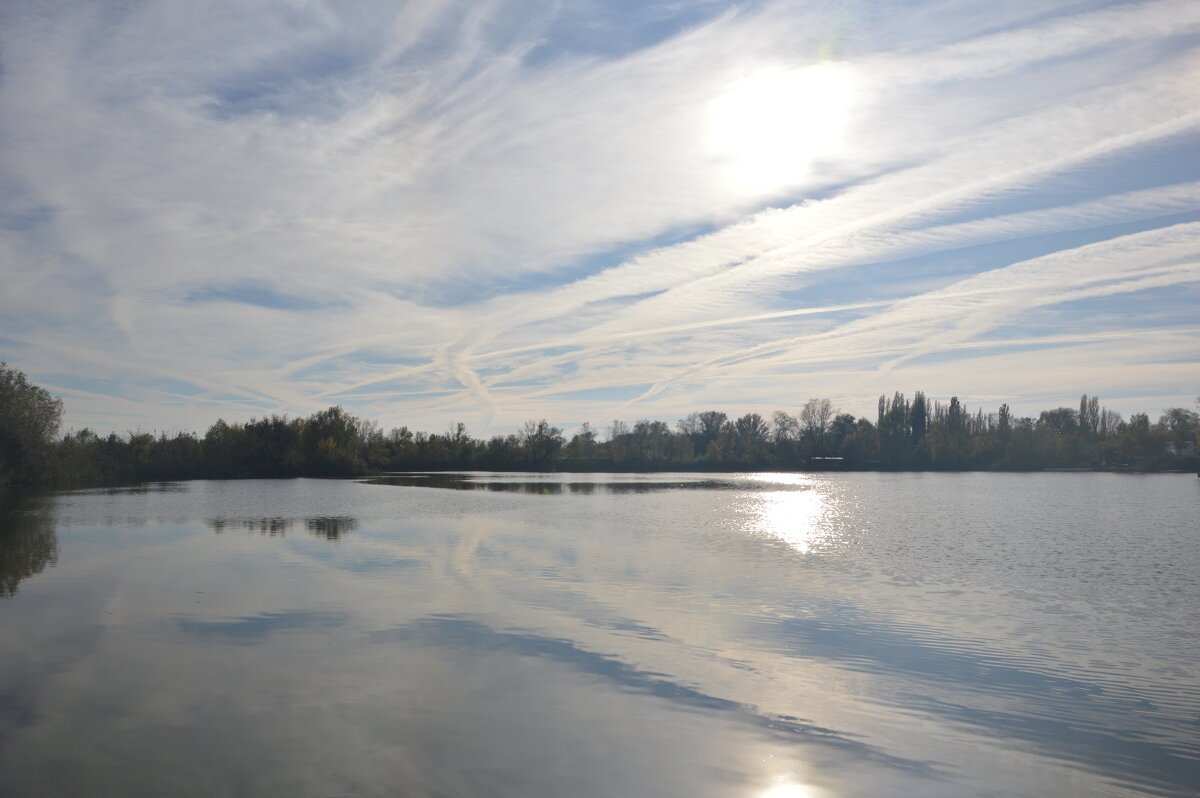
(751, 635)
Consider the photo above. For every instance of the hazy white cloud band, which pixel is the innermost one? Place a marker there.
(492, 211)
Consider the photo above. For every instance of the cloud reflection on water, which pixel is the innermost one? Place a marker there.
(467, 633)
(507, 643)
(256, 628)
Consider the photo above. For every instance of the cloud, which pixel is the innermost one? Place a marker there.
(493, 211)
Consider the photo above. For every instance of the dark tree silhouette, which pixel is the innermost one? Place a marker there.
(29, 419)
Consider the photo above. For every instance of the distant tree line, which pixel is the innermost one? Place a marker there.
(906, 434)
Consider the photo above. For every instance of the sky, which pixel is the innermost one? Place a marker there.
(488, 212)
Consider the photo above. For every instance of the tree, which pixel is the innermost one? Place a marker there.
(918, 415)
(1061, 420)
(710, 424)
(1057, 437)
(860, 442)
(272, 446)
(618, 441)
(948, 435)
(752, 428)
(785, 427)
(815, 417)
(501, 452)
(540, 442)
(29, 420)
(460, 445)
(1179, 425)
(1004, 423)
(1089, 417)
(224, 447)
(1136, 441)
(335, 443)
(1110, 422)
(583, 443)
(650, 441)
(893, 430)
(785, 431)
(1139, 425)
(842, 426)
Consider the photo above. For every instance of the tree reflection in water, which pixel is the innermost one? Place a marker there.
(543, 485)
(27, 544)
(328, 527)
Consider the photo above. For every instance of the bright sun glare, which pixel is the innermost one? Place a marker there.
(770, 126)
(795, 518)
(788, 791)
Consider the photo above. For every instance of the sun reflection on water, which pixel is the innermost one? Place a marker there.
(794, 517)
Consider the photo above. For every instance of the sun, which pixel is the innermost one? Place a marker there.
(768, 128)
(788, 791)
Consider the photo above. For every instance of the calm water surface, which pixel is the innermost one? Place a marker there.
(757, 636)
